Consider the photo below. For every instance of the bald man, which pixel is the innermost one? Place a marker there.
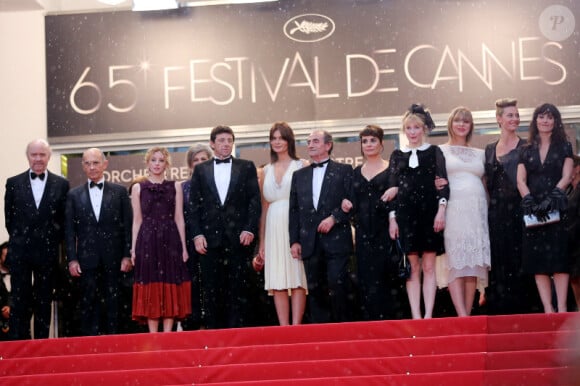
(98, 222)
(34, 211)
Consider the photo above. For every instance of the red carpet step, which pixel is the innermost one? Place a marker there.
(500, 350)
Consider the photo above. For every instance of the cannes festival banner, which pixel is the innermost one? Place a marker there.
(128, 72)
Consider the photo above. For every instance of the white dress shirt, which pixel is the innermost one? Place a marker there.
(37, 186)
(222, 174)
(317, 179)
(96, 196)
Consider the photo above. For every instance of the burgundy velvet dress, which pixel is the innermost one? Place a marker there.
(162, 286)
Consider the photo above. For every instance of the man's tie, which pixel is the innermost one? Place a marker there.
(40, 176)
(223, 161)
(320, 164)
(98, 185)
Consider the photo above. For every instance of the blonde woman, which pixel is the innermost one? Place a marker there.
(466, 230)
(162, 289)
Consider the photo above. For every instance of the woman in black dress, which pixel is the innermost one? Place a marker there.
(419, 210)
(544, 173)
(375, 276)
(509, 287)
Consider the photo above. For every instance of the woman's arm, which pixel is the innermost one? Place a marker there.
(522, 180)
(137, 218)
(265, 205)
(179, 220)
(567, 174)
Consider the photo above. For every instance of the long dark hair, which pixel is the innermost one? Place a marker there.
(288, 135)
(558, 133)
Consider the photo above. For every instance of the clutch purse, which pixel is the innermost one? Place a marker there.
(404, 266)
(531, 221)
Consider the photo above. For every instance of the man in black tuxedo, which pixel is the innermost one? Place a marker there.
(98, 222)
(320, 232)
(34, 212)
(224, 213)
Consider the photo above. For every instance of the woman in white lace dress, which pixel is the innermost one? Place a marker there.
(284, 275)
(466, 232)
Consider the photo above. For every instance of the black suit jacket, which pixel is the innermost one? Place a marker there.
(93, 242)
(241, 210)
(304, 218)
(35, 233)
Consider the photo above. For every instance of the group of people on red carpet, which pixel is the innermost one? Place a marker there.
(165, 251)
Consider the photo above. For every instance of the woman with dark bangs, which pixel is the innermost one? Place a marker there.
(375, 274)
(544, 172)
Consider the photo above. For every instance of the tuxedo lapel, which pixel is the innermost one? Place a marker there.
(85, 199)
(307, 186)
(48, 193)
(28, 190)
(210, 180)
(106, 201)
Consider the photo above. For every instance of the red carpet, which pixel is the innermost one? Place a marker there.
(500, 350)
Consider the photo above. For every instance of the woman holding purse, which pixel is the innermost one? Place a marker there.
(544, 172)
(419, 209)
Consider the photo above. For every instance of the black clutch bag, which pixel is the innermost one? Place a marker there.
(404, 266)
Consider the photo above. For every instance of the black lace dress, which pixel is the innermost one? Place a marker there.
(509, 287)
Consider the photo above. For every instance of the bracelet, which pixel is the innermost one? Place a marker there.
(392, 215)
(443, 201)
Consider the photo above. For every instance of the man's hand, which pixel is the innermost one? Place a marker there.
(326, 225)
(126, 264)
(74, 268)
(200, 244)
(246, 238)
(296, 251)
(346, 205)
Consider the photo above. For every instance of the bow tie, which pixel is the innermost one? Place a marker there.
(320, 164)
(40, 176)
(98, 185)
(223, 161)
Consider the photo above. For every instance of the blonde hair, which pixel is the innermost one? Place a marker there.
(502, 103)
(160, 149)
(463, 112)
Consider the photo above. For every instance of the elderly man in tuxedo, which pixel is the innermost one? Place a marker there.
(34, 212)
(98, 222)
(320, 232)
(223, 217)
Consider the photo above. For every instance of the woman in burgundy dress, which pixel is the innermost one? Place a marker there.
(162, 289)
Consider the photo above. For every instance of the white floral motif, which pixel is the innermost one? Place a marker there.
(308, 27)
(466, 154)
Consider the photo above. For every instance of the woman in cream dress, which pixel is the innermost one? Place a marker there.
(466, 231)
(284, 275)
